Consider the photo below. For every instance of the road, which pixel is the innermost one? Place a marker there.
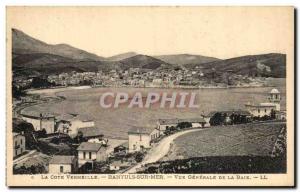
(160, 150)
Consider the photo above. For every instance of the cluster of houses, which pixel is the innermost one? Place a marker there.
(140, 139)
(139, 77)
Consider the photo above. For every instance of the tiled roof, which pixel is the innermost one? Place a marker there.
(90, 131)
(70, 117)
(37, 114)
(142, 130)
(86, 146)
(61, 159)
(262, 105)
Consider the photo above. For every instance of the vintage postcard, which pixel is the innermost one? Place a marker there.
(150, 96)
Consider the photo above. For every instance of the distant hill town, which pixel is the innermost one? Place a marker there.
(36, 58)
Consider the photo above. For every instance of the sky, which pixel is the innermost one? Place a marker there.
(221, 32)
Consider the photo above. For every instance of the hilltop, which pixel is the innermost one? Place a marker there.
(268, 65)
(24, 44)
(185, 59)
(144, 62)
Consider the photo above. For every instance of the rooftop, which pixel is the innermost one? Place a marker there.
(62, 159)
(71, 116)
(16, 134)
(37, 114)
(274, 91)
(142, 130)
(261, 105)
(90, 131)
(86, 146)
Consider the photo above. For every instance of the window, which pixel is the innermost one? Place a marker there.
(276, 96)
(90, 155)
(61, 168)
(21, 141)
(84, 155)
(16, 143)
(134, 147)
(21, 150)
(258, 110)
(265, 110)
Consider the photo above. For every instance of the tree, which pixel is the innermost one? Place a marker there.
(273, 114)
(139, 157)
(39, 82)
(79, 138)
(217, 119)
(41, 133)
(183, 125)
(17, 92)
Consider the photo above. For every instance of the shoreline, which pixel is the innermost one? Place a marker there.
(55, 90)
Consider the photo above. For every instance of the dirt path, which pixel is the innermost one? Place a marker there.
(160, 150)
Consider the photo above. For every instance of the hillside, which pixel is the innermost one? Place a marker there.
(269, 65)
(184, 59)
(24, 44)
(32, 56)
(143, 61)
(45, 64)
(122, 56)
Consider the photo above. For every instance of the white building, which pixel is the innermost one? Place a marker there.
(139, 139)
(262, 109)
(70, 123)
(19, 144)
(63, 164)
(40, 121)
(91, 152)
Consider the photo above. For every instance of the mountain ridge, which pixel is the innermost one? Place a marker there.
(38, 57)
(23, 43)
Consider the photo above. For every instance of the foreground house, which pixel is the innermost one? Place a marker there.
(90, 152)
(19, 144)
(70, 123)
(63, 164)
(140, 139)
(40, 121)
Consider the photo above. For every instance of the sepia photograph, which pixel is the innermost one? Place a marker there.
(150, 96)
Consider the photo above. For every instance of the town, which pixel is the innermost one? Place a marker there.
(179, 77)
(71, 143)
